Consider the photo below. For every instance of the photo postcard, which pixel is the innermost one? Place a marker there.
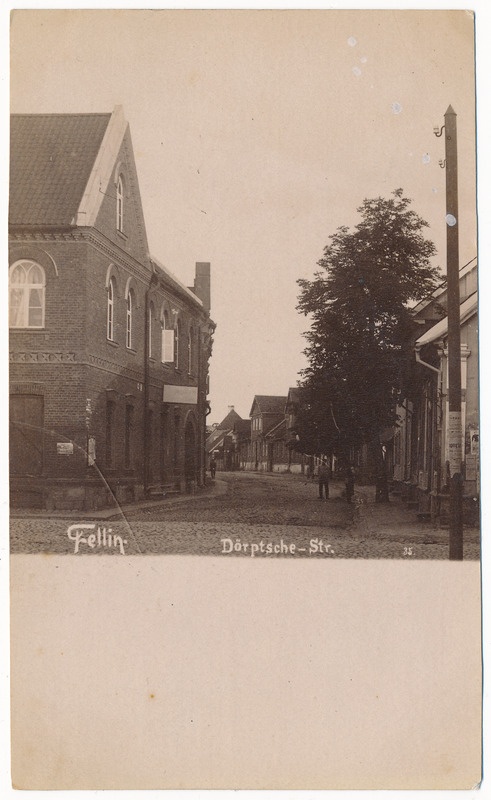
(244, 433)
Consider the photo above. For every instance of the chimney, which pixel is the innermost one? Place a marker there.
(202, 287)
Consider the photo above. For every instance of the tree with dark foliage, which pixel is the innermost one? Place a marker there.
(361, 336)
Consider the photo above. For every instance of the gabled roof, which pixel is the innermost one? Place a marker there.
(51, 160)
(243, 427)
(442, 287)
(269, 404)
(215, 439)
(296, 394)
(439, 331)
(230, 420)
(171, 280)
(278, 431)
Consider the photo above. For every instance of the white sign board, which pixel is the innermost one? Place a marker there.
(91, 451)
(64, 448)
(181, 394)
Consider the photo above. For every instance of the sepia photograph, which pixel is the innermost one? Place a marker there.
(244, 431)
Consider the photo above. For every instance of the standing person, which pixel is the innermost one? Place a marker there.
(323, 476)
(213, 467)
(350, 483)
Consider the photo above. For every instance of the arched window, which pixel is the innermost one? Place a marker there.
(151, 313)
(111, 290)
(26, 295)
(167, 340)
(130, 302)
(119, 204)
(177, 337)
(190, 350)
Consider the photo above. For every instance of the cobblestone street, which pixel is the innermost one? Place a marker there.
(244, 514)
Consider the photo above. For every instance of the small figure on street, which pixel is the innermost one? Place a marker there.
(213, 467)
(350, 483)
(323, 476)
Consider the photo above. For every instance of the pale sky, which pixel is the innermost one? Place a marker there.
(257, 134)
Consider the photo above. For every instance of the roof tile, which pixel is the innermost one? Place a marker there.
(51, 158)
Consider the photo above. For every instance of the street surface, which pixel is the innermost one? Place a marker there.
(251, 515)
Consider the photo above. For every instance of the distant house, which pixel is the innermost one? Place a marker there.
(266, 413)
(220, 443)
(268, 442)
(297, 461)
(277, 452)
(241, 438)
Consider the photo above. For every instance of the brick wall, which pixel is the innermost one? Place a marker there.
(80, 373)
(133, 239)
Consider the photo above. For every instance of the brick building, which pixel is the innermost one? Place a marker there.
(297, 460)
(220, 443)
(108, 350)
(266, 413)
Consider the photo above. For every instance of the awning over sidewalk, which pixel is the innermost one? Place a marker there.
(440, 330)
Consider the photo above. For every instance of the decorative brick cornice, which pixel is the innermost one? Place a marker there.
(51, 357)
(30, 235)
(16, 387)
(116, 369)
(92, 237)
(115, 254)
(120, 257)
(16, 357)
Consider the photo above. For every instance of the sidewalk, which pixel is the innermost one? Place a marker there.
(211, 489)
(383, 520)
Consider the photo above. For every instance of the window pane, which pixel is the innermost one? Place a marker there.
(35, 318)
(167, 346)
(26, 296)
(110, 296)
(36, 274)
(128, 320)
(36, 298)
(35, 308)
(18, 275)
(16, 307)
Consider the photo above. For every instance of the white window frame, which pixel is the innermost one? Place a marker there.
(110, 309)
(167, 356)
(120, 204)
(190, 350)
(177, 336)
(150, 337)
(24, 306)
(129, 319)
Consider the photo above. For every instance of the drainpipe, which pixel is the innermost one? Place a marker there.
(425, 363)
(146, 356)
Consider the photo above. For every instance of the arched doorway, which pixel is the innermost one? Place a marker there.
(190, 466)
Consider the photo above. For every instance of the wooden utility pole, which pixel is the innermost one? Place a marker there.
(455, 455)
